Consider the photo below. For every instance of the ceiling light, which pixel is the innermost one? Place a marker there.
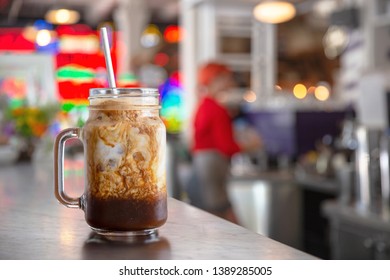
(270, 11)
(62, 16)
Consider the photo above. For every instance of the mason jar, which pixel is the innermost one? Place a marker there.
(124, 148)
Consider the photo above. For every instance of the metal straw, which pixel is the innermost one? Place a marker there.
(107, 55)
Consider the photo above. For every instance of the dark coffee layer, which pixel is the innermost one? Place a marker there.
(126, 214)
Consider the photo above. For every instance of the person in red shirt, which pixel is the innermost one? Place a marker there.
(213, 143)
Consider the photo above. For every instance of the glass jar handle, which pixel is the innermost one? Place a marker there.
(59, 148)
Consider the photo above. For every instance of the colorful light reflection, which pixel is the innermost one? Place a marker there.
(172, 104)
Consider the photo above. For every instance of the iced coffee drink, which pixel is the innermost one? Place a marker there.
(124, 146)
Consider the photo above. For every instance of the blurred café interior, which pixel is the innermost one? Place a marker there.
(313, 86)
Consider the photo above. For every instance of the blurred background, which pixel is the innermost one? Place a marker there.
(313, 84)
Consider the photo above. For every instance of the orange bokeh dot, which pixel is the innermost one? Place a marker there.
(173, 34)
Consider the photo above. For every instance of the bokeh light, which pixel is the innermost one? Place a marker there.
(43, 37)
(250, 96)
(311, 90)
(300, 91)
(173, 34)
(30, 33)
(161, 59)
(274, 11)
(151, 36)
(62, 16)
(322, 93)
(172, 109)
(335, 41)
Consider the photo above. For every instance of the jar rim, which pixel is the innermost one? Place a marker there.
(122, 92)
